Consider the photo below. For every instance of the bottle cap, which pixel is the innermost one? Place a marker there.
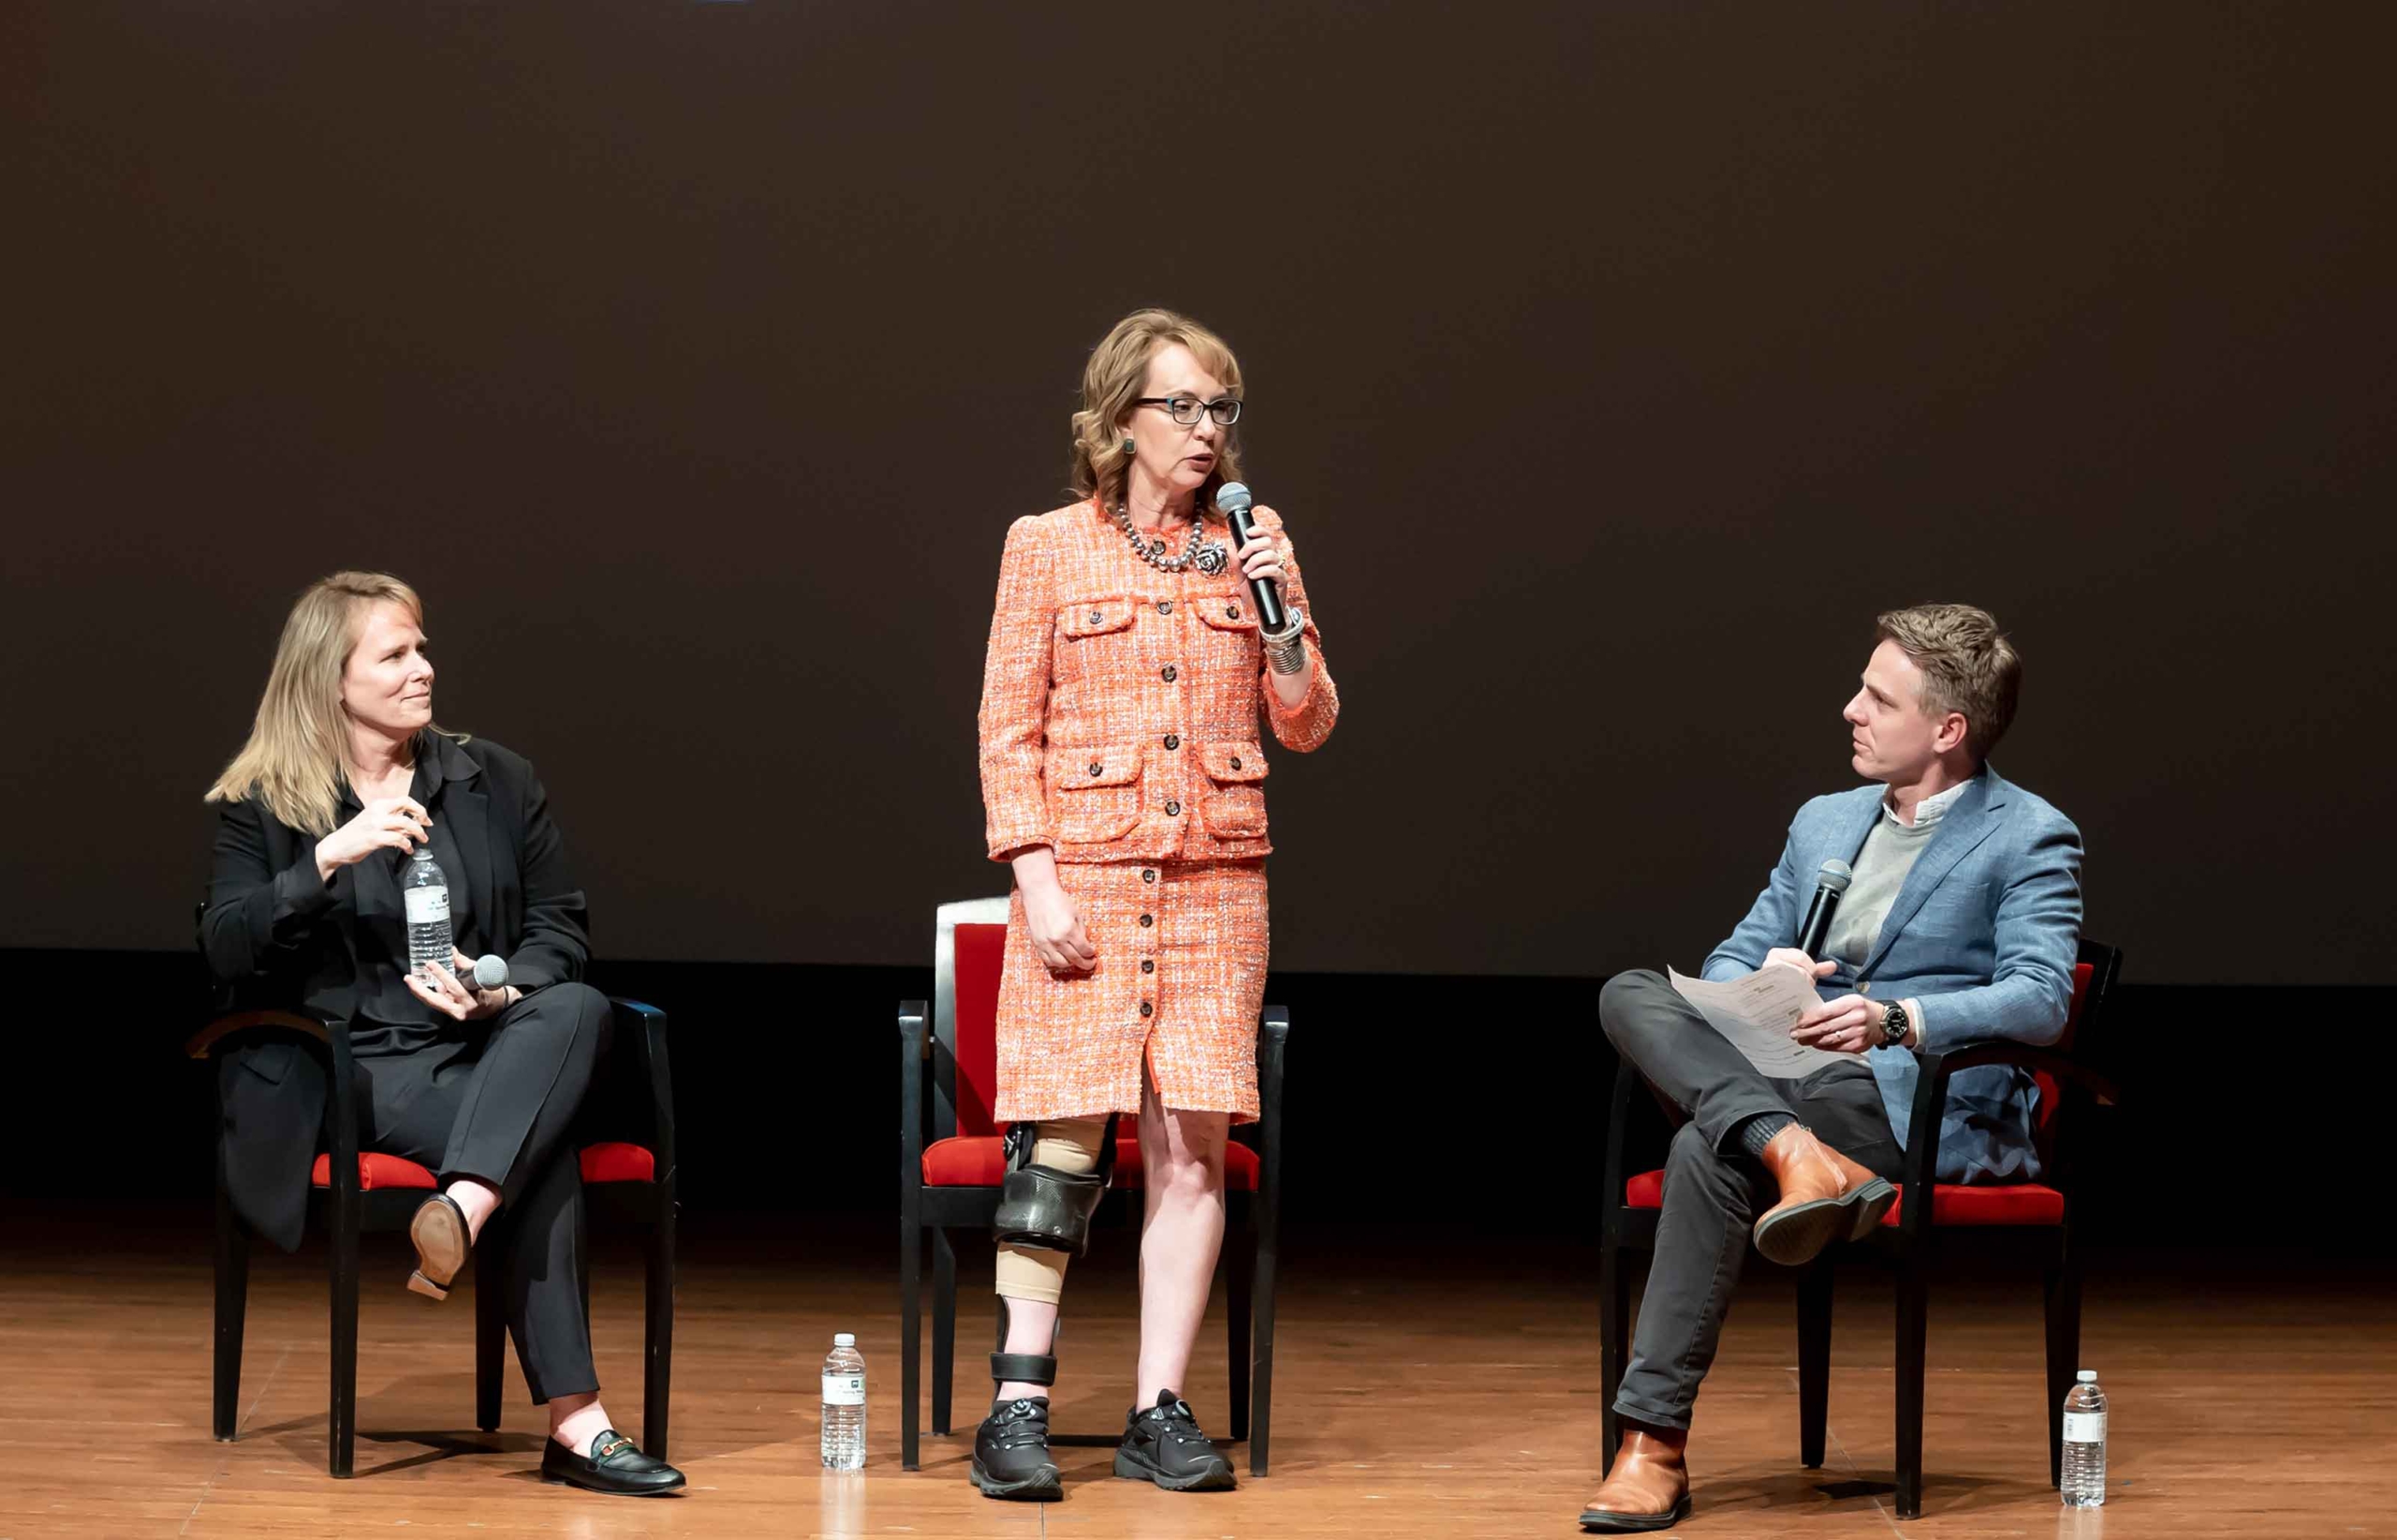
(2087, 1376)
(848, 1339)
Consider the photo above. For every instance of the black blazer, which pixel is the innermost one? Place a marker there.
(272, 937)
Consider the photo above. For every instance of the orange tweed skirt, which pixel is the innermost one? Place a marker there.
(1181, 979)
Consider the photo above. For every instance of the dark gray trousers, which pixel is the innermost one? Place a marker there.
(495, 1105)
(1713, 1189)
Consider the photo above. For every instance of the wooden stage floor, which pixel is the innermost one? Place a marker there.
(1454, 1399)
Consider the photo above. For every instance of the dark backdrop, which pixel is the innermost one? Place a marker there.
(1612, 364)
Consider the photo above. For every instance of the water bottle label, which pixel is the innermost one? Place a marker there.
(844, 1390)
(2079, 1427)
(427, 905)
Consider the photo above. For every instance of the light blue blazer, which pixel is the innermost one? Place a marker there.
(1984, 933)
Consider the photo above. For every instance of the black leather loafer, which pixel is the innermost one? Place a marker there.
(615, 1465)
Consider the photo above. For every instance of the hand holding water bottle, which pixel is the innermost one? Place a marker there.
(387, 823)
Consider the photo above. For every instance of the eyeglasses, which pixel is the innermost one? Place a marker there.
(1186, 409)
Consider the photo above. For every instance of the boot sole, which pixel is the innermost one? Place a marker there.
(1597, 1521)
(1794, 1237)
(1216, 1478)
(1044, 1486)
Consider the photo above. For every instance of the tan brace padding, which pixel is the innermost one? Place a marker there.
(1062, 1144)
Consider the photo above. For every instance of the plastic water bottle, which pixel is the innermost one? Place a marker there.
(2084, 1444)
(426, 892)
(844, 1405)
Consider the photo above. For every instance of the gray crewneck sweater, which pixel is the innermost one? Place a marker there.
(1881, 867)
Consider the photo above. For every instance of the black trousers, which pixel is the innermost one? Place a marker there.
(495, 1105)
(1713, 1189)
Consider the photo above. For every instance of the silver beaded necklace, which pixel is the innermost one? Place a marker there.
(1208, 556)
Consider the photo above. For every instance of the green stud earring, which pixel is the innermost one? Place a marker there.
(1127, 445)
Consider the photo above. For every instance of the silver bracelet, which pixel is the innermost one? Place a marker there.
(1286, 648)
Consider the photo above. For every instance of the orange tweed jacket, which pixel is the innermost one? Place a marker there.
(1120, 703)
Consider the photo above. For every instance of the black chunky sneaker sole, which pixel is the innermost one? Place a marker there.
(1042, 1485)
(1217, 1476)
(1797, 1236)
(1598, 1523)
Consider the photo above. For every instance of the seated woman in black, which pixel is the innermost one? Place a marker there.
(343, 778)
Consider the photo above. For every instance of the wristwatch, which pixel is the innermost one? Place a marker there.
(1896, 1024)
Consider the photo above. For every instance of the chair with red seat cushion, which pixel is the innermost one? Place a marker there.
(353, 1192)
(2038, 1215)
(951, 1180)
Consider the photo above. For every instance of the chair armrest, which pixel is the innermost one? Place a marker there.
(230, 1030)
(914, 1090)
(1936, 1066)
(645, 1024)
(1627, 1081)
(1942, 1062)
(1272, 1052)
(340, 1131)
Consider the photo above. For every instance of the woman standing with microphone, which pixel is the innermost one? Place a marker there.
(1123, 780)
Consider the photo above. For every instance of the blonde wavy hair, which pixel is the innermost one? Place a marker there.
(294, 761)
(1118, 368)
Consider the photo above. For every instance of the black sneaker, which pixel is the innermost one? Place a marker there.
(1164, 1444)
(1011, 1453)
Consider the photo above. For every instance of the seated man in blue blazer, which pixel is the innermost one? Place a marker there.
(1963, 921)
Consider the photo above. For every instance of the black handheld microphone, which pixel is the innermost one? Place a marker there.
(486, 971)
(1233, 499)
(1829, 884)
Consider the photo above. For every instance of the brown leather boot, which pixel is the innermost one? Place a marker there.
(1647, 1489)
(1825, 1196)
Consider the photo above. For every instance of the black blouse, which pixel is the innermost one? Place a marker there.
(371, 914)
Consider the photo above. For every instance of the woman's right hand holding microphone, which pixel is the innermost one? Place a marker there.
(386, 823)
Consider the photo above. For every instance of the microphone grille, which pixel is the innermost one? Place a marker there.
(1232, 497)
(1835, 876)
(491, 972)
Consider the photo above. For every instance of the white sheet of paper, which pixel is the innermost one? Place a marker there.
(1755, 1013)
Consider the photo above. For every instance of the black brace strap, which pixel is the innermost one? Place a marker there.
(1021, 1137)
(1030, 1367)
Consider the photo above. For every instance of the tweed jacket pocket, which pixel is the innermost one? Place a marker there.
(1097, 617)
(1096, 642)
(1094, 791)
(1234, 806)
(1228, 623)
(1227, 611)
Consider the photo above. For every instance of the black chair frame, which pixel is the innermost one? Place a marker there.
(346, 1211)
(928, 1106)
(1911, 1246)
